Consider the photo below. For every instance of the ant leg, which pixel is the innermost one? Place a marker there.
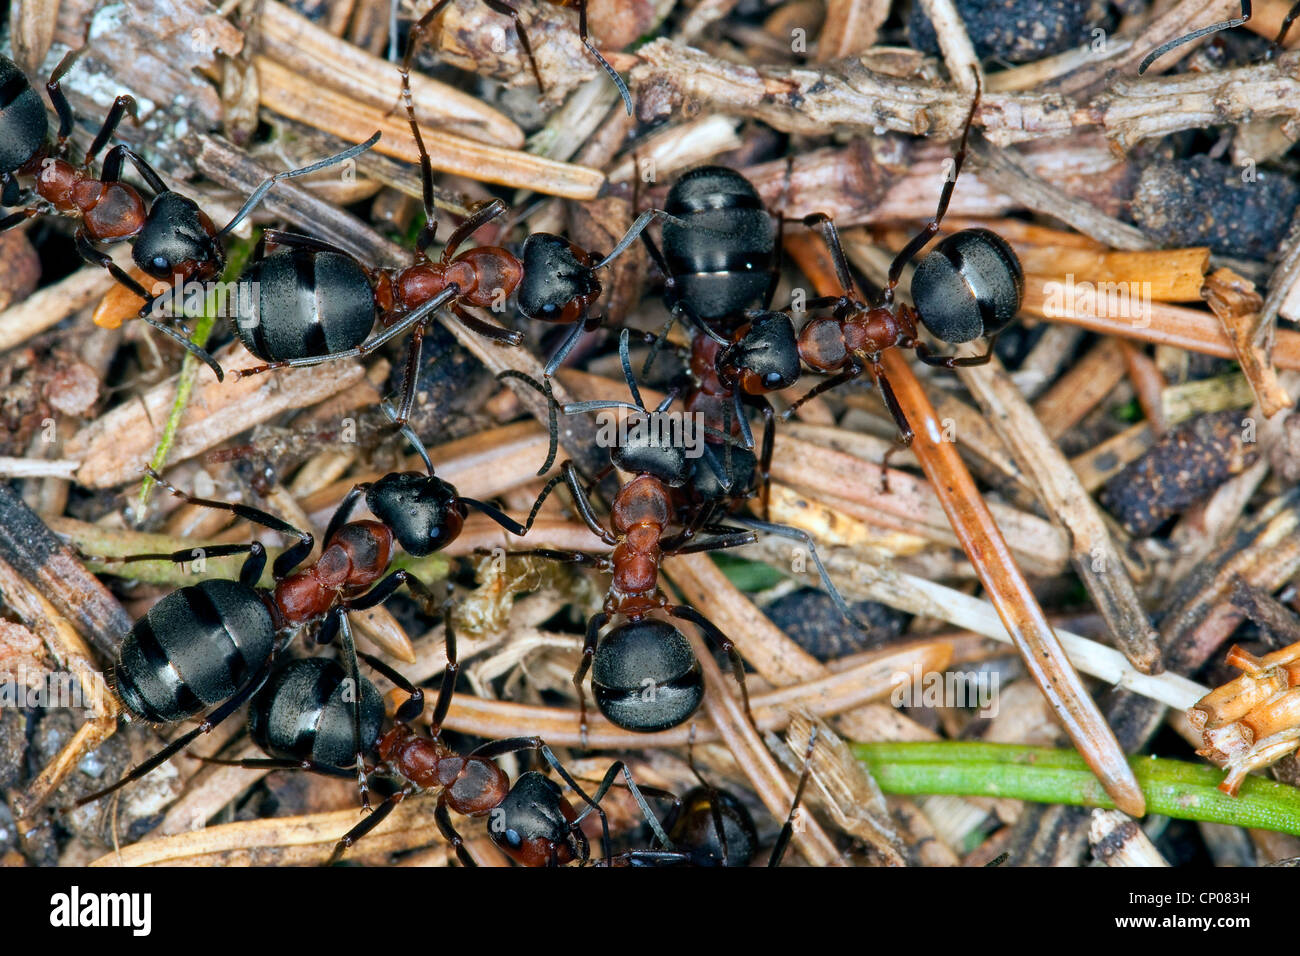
(448, 686)
(783, 838)
(250, 573)
(778, 247)
(340, 614)
(17, 219)
(723, 643)
(121, 106)
(287, 561)
(95, 257)
(804, 538)
(823, 224)
(59, 100)
(598, 620)
(111, 171)
(443, 819)
(662, 263)
(269, 183)
(825, 385)
(1290, 18)
(604, 64)
(349, 839)
(493, 333)
(765, 458)
(340, 517)
(905, 433)
(583, 504)
(476, 220)
(721, 543)
(953, 361)
(294, 240)
(180, 743)
(417, 35)
(267, 763)
(910, 250)
(715, 797)
(638, 793)
(506, 10)
(413, 706)
(1164, 48)
(412, 372)
(552, 412)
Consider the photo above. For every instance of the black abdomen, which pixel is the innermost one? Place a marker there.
(193, 649)
(304, 712)
(302, 303)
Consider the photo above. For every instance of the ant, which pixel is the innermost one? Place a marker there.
(559, 283)
(731, 374)
(172, 238)
(182, 634)
(643, 649)
(1246, 13)
(710, 827)
(421, 29)
(300, 718)
(315, 303)
(970, 285)
(712, 278)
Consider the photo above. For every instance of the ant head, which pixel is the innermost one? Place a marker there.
(765, 355)
(177, 238)
(969, 285)
(23, 123)
(719, 475)
(646, 655)
(319, 688)
(535, 823)
(559, 282)
(696, 828)
(424, 512)
(645, 453)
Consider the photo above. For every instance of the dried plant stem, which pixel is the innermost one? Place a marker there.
(1161, 324)
(287, 93)
(1094, 554)
(293, 841)
(319, 56)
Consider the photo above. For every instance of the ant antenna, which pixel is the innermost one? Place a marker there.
(266, 186)
(409, 434)
(1164, 48)
(637, 228)
(552, 420)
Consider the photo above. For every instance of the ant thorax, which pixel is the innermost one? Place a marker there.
(868, 331)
